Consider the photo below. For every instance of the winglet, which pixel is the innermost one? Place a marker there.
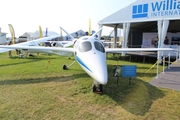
(94, 35)
(67, 33)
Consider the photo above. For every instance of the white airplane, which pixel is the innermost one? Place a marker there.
(90, 53)
(35, 43)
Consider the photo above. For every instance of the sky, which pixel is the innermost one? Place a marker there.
(72, 15)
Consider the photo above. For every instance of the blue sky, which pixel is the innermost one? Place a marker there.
(72, 15)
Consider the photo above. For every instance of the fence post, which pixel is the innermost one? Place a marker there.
(163, 63)
(141, 47)
(176, 54)
(169, 61)
(157, 69)
(179, 52)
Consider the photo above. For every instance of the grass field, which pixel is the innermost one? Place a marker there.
(32, 89)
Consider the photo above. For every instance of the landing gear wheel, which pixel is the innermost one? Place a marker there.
(94, 88)
(98, 89)
(65, 67)
(101, 88)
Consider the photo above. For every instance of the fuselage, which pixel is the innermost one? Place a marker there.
(91, 56)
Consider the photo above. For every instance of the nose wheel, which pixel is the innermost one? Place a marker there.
(98, 89)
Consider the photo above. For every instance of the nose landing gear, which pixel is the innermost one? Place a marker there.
(97, 88)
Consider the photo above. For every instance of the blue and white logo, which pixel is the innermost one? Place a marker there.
(159, 8)
(140, 11)
(165, 8)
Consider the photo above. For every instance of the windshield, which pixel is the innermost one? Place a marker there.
(85, 46)
(76, 43)
(99, 47)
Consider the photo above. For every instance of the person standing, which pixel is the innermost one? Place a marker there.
(166, 41)
(10, 55)
(156, 43)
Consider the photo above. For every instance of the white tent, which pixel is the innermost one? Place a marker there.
(146, 16)
(3, 39)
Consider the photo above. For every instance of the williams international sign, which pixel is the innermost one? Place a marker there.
(159, 8)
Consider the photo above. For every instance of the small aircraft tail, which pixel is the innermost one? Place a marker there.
(67, 33)
(12, 33)
(46, 32)
(40, 32)
(61, 38)
(94, 35)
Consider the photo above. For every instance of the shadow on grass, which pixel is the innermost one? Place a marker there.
(42, 80)
(136, 98)
(30, 60)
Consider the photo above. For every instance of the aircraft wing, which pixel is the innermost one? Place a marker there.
(37, 48)
(29, 43)
(66, 42)
(4, 50)
(117, 50)
(35, 42)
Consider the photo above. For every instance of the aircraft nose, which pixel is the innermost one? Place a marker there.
(96, 67)
(103, 81)
(102, 77)
(100, 71)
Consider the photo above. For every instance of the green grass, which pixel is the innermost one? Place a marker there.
(30, 89)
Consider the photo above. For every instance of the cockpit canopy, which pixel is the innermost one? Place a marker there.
(87, 46)
(99, 46)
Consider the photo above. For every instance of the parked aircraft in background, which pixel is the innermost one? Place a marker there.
(32, 43)
(46, 41)
(29, 43)
(90, 54)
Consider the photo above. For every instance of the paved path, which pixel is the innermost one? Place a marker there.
(170, 78)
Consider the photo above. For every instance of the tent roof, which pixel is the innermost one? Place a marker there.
(149, 26)
(154, 11)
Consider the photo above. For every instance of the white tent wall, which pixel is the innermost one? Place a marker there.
(159, 24)
(115, 36)
(126, 27)
(3, 38)
(162, 31)
(143, 15)
(145, 10)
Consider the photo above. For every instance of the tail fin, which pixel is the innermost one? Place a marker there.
(60, 31)
(46, 32)
(94, 35)
(12, 33)
(61, 38)
(67, 33)
(40, 32)
(89, 32)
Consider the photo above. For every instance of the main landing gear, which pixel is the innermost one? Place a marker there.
(65, 67)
